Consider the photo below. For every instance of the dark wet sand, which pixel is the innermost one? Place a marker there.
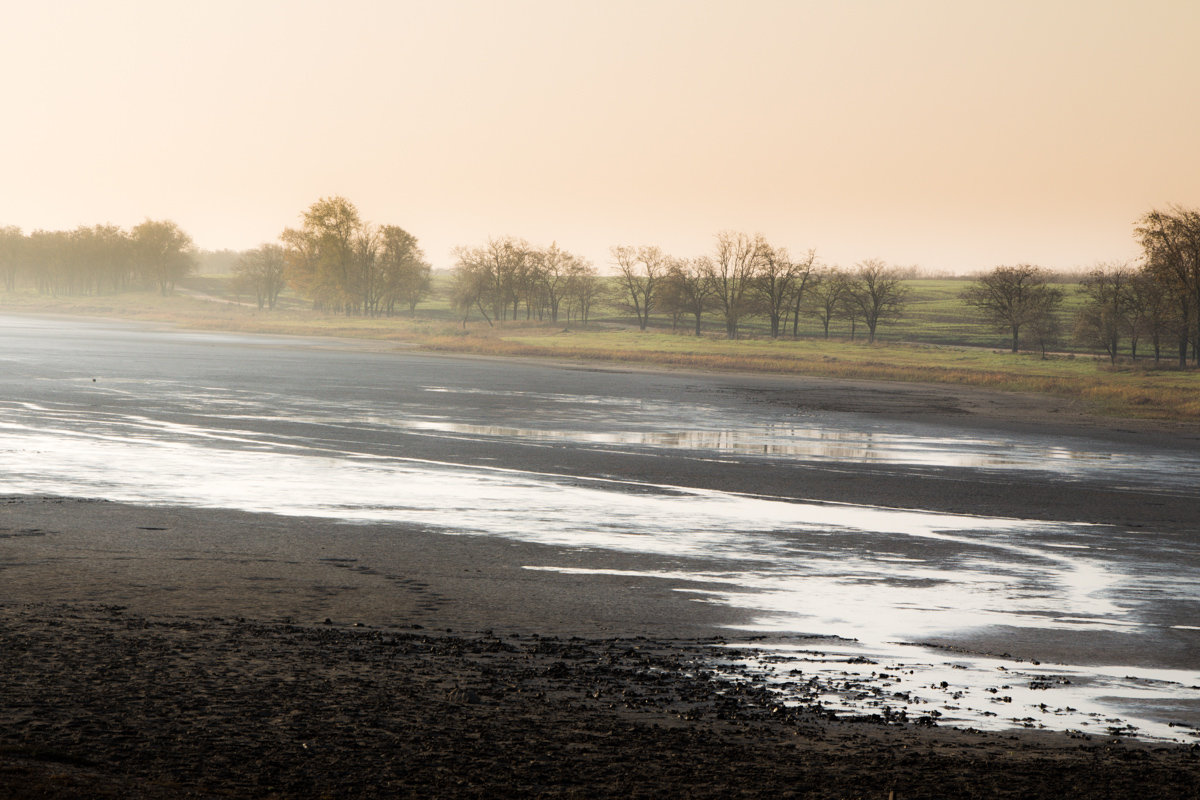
(162, 652)
(103, 703)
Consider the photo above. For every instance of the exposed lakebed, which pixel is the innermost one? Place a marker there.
(939, 609)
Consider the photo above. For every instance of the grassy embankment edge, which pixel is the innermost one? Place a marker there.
(1135, 391)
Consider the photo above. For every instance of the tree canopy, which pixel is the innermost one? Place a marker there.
(1012, 297)
(344, 264)
(1170, 243)
(876, 292)
(163, 252)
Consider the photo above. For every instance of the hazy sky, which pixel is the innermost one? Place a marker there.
(951, 134)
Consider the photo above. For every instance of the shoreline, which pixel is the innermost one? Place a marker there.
(151, 652)
(1006, 409)
(155, 651)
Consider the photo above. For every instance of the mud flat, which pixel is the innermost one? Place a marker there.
(133, 665)
(102, 703)
(424, 576)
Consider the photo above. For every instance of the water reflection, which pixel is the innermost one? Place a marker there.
(627, 422)
(871, 574)
(782, 441)
(984, 693)
(316, 447)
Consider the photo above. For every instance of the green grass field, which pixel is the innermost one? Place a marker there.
(938, 340)
(934, 314)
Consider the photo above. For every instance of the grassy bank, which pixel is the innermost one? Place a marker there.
(1125, 391)
(1130, 390)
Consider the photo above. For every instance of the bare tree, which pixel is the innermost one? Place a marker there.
(1171, 247)
(690, 282)
(92, 260)
(163, 252)
(112, 257)
(826, 295)
(1045, 326)
(343, 263)
(403, 271)
(12, 242)
(1105, 315)
(1009, 297)
(364, 289)
(300, 263)
(472, 284)
(583, 289)
(806, 277)
(322, 261)
(779, 285)
(877, 292)
(43, 254)
(1153, 313)
(493, 271)
(733, 271)
(261, 271)
(554, 269)
(670, 297)
(527, 284)
(640, 270)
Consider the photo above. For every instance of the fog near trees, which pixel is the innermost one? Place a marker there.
(337, 262)
(497, 278)
(345, 264)
(102, 259)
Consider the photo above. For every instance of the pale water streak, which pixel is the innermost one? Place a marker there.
(818, 568)
(620, 422)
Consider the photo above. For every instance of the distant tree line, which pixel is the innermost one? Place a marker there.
(343, 264)
(498, 278)
(1156, 302)
(97, 260)
(334, 258)
(744, 277)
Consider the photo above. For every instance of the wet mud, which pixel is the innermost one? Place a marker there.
(172, 646)
(103, 703)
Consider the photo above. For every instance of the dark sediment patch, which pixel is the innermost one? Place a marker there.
(99, 702)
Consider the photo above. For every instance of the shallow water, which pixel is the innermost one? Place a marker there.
(265, 425)
(893, 680)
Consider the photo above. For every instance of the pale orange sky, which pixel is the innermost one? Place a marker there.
(949, 134)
